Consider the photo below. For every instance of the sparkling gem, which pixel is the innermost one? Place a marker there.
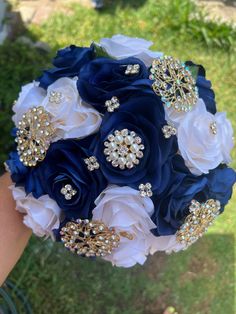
(145, 189)
(169, 130)
(112, 104)
(68, 192)
(132, 69)
(92, 163)
(213, 128)
(55, 97)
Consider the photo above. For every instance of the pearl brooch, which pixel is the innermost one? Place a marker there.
(123, 149)
(112, 104)
(35, 132)
(132, 69)
(174, 83)
(92, 163)
(145, 190)
(201, 216)
(68, 192)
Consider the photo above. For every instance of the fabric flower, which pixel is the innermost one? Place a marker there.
(42, 215)
(103, 78)
(67, 63)
(168, 244)
(125, 210)
(145, 116)
(17, 170)
(71, 117)
(172, 207)
(64, 165)
(120, 47)
(202, 147)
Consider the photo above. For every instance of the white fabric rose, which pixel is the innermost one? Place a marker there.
(31, 95)
(201, 149)
(125, 210)
(226, 134)
(120, 47)
(42, 215)
(167, 244)
(72, 118)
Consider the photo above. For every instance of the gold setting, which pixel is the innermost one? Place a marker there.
(89, 238)
(34, 135)
(201, 216)
(174, 83)
(213, 128)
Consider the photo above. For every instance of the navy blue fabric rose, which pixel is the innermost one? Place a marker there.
(103, 78)
(64, 164)
(18, 171)
(67, 63)
(145, 116)
(204, 88)
(172, 208)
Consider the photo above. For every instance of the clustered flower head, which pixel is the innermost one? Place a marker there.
(120, 152)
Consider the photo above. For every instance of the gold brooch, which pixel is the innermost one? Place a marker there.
(34, 135)
(174, 83)
(89, 238)
(197, 222)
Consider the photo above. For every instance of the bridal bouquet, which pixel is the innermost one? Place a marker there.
(120, 152)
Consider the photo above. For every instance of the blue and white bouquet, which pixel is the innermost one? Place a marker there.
(120, 152)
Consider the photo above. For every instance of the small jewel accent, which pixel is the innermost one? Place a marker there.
(112, 104)
(201, 216)
(35, 132)
(132, 69)
(89, 238)
(68, 192)
(124, 149)
(169, 130)
(92, 163)
(213, 128)
(145, 190)
(55, 97)
(174, 83)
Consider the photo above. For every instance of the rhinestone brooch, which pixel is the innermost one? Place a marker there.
(132, 69)
(92, 163)
(112, 104)
(55, 97)
(124, 149)
(145, 190)
(34, 134)
(201, 216)
(89, 238)
(213, 128)
(68, 192)
(174, 83)
(169, 130)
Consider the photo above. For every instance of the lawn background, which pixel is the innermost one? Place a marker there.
(200, 280)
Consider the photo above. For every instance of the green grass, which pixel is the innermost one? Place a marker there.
(200, 280)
